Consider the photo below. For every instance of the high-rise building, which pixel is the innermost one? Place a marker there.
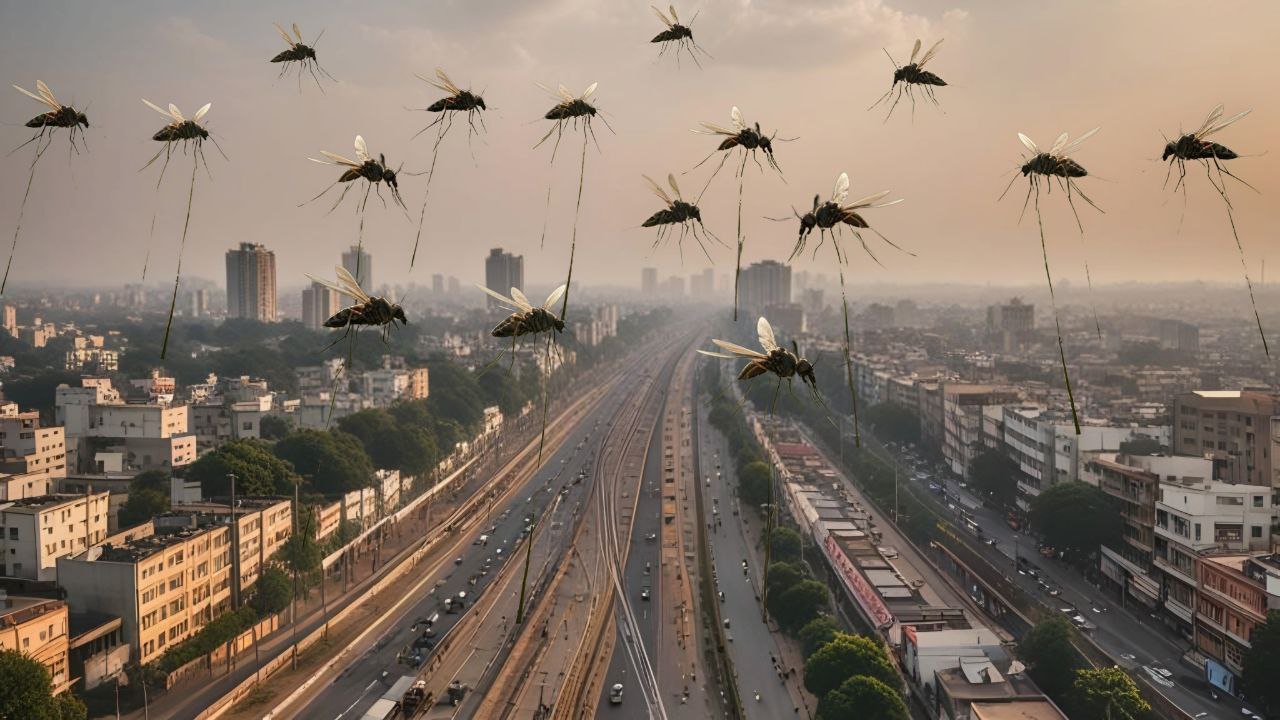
(251, 283)
(11, 320)
(763, 284)
(319, 303)
(1015, 317)
(649, 280)
(437, 284)
(702, 285)
(503, 271)
(1230, 427)
(359, 263)
(199, 303)
(455, 287)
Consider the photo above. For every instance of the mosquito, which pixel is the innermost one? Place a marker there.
(571, 109)
(750, 139)
(457, 101)
(374, 172)
(58, 116)
(910, 75)
(678, 212)
(303, 55)
(830, 217)
(1194, 147)
(1051, 165)
(677, 36)
(190, 135)
(784, 364)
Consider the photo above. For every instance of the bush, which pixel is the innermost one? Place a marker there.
(219, 630)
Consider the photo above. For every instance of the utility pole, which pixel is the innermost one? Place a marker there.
(235, 547)
(293, 614)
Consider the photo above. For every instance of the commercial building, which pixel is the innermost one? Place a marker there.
(503, 271)
(763, 284)
(359, 263)
(29, 449)
(37, 628)
(1013, 317)
(36, 531)
(319, 303)
(1234, 594)
(1232, 428)
(962, 421)
(251, 283)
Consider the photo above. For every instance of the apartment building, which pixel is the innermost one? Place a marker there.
(104, 431)
(1126, 565)
(26, 485)
(262, 526)
(962, 412)
(37, 628)
(1232, 428)
(36, 531)
(1234, 593)
(164, 588)
(29, 449)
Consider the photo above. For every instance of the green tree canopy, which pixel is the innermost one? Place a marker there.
(148, 497)
(893, 422)
(499, 386)
(301, 552)
(1262, 666)
(26, 691)
(817, 632)
(274, 427)
(332, 462)
(862, 697)
(1076, 517)
(1107, 694)
(844, 657)
(753, 483)
(784, 575)
(391, 444)
(995, 475)
(798, 604)
(273, 591)
(1047, 651)
(1141, 445)
(786, 544)
(257, 471)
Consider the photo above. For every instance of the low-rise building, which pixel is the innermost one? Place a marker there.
(1232, 598)
(29, 449)
(102, 430)
(262, 527)
(962, 413)
(37, 628)
(35, 532)
(976, 681)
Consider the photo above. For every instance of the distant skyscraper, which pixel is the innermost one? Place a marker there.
(318, 304)
(251, 283)
(702, 285)
(11, 320)
(360, 264)
(1016, 317)
(763, 284)
(673, 287)
(503, 271)
(454, 286)
(437, 284)
(199, 303)
(649, 280)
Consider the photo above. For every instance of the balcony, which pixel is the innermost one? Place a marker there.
(1185, 576)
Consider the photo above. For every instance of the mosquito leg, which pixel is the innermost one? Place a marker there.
(882, 98)
(897, 97)
(1223, 171)
(1033, 185)
(848, 362)
(22, 208)
(777, 389)
(182, 245)
(701, 244)
(723, 158)
(341, 196)
(1062, 353)
(737, 270)
(1245, 268)
(680, 244)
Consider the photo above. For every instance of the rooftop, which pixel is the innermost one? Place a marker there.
(15, 610)
(142, 548)
(41, 502)
(1016, 710)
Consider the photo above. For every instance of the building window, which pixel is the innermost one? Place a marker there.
(1197, 531)
(1257, 501)
(1255, 531)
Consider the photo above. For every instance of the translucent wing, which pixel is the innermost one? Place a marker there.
(434, 83)
(661, 17)
(284, 34)
(1058, 144)
(1030, 145)
(508, 302)
(1220, 125)
(566, 95)
(352, 285)
(739, 350)
(764, 332)
(657, 189)
(1213, 116)
(708, 353)
(714, 129)
(929, 55)
(46, 93)
(671, 179)
(520, 299)
(362, 150)
(297, 32)
(1075, 144)
(337, 159)
(591, 89)
(674, 16)
(868, 201)
(332, 286)
(447, 84)
(554, 296)
(738, 122)
(841, 191)
(201, 112)
(157, 108)
(544, 88)
(176, 114)
(35, 97)
(914, 51)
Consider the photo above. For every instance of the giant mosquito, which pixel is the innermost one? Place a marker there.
(457, 101)
(190, 134)
(910, 75)
(58, 116)
(1055, 164)
(677, 212)
(1193, 147)
(677, 36)
(303, 55)
(570, 109)
(784, 364)
(374, 172)
(750, 139)
(829, 217)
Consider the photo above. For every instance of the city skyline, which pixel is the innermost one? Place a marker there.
(950, 220)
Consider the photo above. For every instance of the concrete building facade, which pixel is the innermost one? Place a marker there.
(37, 531)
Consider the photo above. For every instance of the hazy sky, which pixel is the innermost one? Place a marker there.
(806, 68)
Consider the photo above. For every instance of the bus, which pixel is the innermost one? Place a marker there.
(388, 706)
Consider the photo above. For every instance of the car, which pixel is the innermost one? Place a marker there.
(457, 560)
(644, 594)
(651, 537)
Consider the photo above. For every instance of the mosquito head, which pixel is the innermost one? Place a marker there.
(307, 52)
(695, 213)
(480, 103)
(804, 369)
(1169, 149)
(397, 313)
(899, 75)
(82, 119)
(766, 143)
(389, 177)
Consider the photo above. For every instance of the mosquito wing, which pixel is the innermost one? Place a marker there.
(591, 89)
(671, 179)
(435, 83)
(738, 122)
(297, 32)
(674, 16)
(841, 191)
(362, 150)
(335, 159)
(1029, 144)
(740, 351)
(446, 84)
(663, 18)
(201, 112)
(47, 94)
(554, 297)
(1075, 144)
(1221, 125)
(176, 114)
(521, 300)
(1058, 144)
(565, 95)
(764, 333)
(158, 109)
(37, 98)
(869, 201)
(714, 129)
(708, 353)
(929, 55)
(334, 287)
(657, 189)
(914, 52)
(352, 285)
(1209, 120)
(285, 35)
(506, 301)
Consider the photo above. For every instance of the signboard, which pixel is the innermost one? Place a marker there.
(865, 595)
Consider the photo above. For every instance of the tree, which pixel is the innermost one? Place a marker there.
(861, 696)
(892, 421)
(784, 575)
(274, 427)
(816, 633)
(1076, 517)
(148, 496)
(1262, 666)
(844, 657)
(301, 552)
(753, 483)
(1047, 651)
(69, 707)
(786, 544)
(257, 471)
(1141, 445)
(390, 444)
(996, 475)
(26, 691)
(1107, 694)
(798, 604)
(273, 591)
(332, 462)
